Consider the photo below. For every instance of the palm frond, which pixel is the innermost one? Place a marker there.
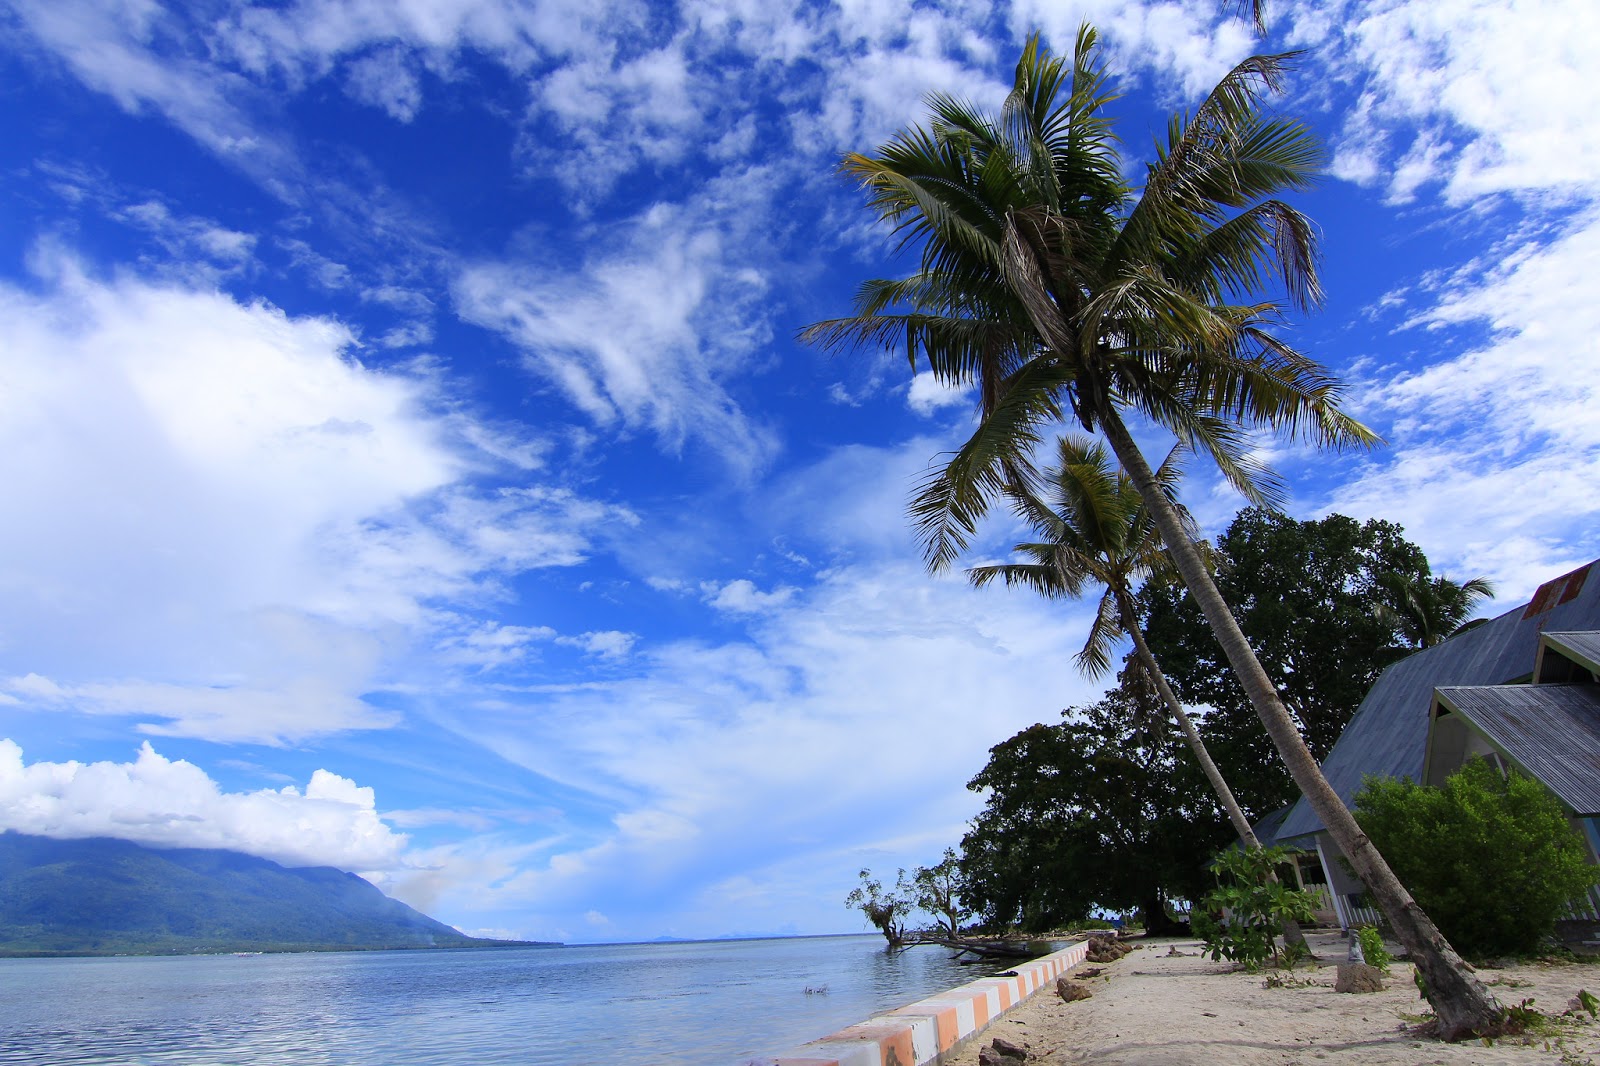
(1095, 657)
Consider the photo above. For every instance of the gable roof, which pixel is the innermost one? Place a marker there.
(1577, 647)
(1388, 737)
(1551, 731)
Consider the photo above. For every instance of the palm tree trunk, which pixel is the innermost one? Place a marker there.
(1152, 669)
(1462, 1005)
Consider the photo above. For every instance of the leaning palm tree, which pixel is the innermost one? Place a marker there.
(1046, 282)
(1426, 610)
(1097, 530)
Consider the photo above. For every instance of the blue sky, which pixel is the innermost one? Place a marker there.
(409, 466)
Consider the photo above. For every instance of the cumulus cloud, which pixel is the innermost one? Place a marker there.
(222, 524)
(742, 597)
(927, 395)
(1468, 96)
(164, 803)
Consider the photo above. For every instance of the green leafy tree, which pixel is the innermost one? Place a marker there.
(1060, 293)
(1242, 919)
(1426, 610)
(1305, 596)
(1492, 856)
(887, 908)
(1093, 812)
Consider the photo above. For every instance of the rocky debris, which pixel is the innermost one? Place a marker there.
(1358, 977)
(1071, 990)
(1106, 949)
(1009, 1050)
(1084, 975)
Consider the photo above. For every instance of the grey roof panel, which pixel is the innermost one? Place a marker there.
(1583, 647)
(1389, 733)
(1552, 731)
(1266, 830)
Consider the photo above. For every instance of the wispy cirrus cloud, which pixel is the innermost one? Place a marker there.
(1493, 443)
(647, 330)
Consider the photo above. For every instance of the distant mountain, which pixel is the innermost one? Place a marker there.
(105, 897)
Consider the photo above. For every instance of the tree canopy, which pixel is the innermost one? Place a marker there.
(1095, 811)
(1304, 593)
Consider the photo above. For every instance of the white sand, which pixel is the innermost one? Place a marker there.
(1151, 1008)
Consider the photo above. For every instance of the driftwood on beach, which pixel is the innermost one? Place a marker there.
(985, 949)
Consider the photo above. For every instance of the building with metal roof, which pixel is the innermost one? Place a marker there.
(1522, 689)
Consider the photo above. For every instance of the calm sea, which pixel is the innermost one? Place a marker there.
(706, 1004)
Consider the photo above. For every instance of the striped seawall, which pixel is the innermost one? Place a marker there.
(926, 1030)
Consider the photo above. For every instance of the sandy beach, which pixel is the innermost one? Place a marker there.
(1165, 1004)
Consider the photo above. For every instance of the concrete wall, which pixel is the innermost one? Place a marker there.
(926, 1030)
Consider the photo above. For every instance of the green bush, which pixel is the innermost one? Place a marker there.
(1373, 949)
(1243, 918)
(1492, 858)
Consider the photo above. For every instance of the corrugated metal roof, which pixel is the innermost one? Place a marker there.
(1389, 733)
(1551, 731)
(1583, 647)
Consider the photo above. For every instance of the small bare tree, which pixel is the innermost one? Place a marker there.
(887, 909)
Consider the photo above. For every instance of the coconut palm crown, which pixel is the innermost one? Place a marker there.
(1095, 530)
(1426, 610)
(1045, 282)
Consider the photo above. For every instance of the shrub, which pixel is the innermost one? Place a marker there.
(1491, 857)
(1373, 949)
(1243, 918)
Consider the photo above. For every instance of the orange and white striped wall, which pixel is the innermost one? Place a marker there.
(924, 1031)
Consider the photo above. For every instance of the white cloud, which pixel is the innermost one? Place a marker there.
(222, 525)
(156, 801)
(742, 596)
(385, 80)
(183, 237)
(1193, 45)
(927, 395)
(604, 644)
(644, 334)
(1494, 450)
(1476, 96)
(145, 57)
(490, 644)
(849, 721)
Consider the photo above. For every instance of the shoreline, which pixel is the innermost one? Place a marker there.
(936, 1028)
(1156, 1008)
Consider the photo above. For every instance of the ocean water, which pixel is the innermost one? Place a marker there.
(676, 1004)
